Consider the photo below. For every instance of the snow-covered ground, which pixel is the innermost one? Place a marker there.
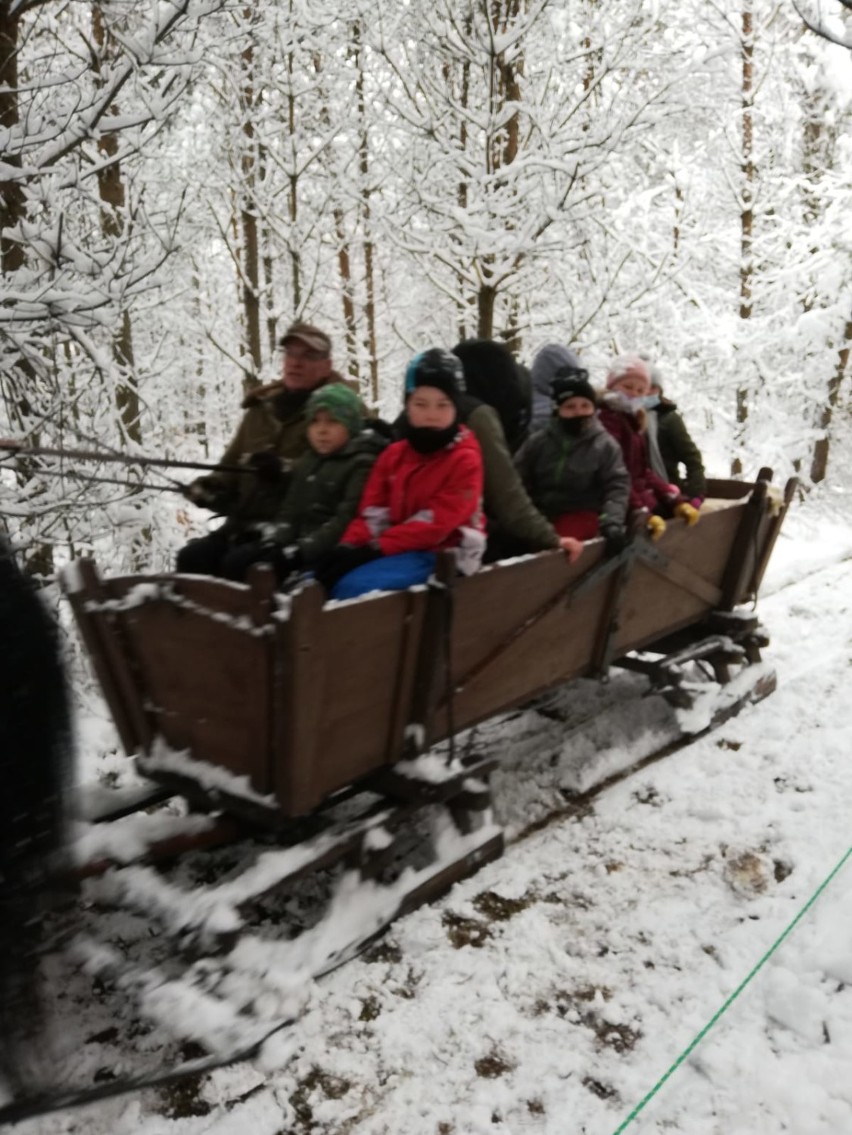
(553, 990)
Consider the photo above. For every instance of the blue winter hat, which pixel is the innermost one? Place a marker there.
(439, 368)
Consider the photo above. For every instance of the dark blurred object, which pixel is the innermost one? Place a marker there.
(266, 466)
(339, 562)
(493, 376)
(201, 494)
(614, 537)
(35, 744)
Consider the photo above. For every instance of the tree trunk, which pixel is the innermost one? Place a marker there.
(250, 237)
(463, 191)
(344, 266)
(293, 196)
(747, 203)
(113, 204)
(819, 461)
(366, 215)
(486, 298)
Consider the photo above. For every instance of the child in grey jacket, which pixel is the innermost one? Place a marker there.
(573, 469)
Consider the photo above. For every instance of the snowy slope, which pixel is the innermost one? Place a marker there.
(551, 992)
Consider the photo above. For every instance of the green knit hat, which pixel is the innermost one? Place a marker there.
(343, 404)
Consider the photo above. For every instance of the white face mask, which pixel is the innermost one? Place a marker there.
(622, 401)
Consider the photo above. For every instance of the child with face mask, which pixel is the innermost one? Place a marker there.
(623, 413)
(573, 469)
(424, 494)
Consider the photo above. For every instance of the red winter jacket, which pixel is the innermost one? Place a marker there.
(647, 488)
(416, 502)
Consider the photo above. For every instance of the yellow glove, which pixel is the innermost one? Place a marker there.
(656, 527)
(687, 512)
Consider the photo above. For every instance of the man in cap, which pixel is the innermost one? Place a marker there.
(270, 438)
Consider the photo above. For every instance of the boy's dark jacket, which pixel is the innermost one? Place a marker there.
(274, 423)
(324, 494)
(677, 448)
(563, 473)
(507, 504)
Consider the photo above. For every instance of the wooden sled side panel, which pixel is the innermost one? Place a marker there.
(186, 659)
(519, 629)
(343, 687)
(680, 581)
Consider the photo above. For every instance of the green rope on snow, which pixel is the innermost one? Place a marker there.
(755, 969)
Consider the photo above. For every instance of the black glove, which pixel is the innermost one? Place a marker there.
(266, 466)
(291, 559)
(335, 564)
(205, 495)
(615, 538)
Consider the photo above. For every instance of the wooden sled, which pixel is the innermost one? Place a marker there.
(266, 706)
(303, 729)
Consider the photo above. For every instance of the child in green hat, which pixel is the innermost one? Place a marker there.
(325, 487)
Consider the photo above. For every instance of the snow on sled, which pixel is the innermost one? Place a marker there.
(300, 733)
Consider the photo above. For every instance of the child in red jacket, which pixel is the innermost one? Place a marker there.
(622, 412)
(424, 494)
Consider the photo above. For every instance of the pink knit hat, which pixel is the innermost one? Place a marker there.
(629, 366)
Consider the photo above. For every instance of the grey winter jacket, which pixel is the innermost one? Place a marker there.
(566, 473)
(547, 362)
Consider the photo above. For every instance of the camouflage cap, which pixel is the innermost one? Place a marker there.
(309, 335)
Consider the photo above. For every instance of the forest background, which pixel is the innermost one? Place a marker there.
(182, 178)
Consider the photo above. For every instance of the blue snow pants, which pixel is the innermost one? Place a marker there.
(389, 573)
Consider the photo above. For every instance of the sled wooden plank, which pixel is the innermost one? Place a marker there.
(206, 679)
(682, 576)
(414, 621)
(768, 542)
(300, 697)
(653, 605)
(97, 804)
(492, 604)
(430, 677)
(111, 658)
(224, 831)
(727, 489)
(518, 655)
(743, 558)
(355, 649)
(603, 644)
(562, 597)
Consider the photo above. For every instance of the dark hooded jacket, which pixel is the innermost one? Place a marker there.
(513, 519)
(324, 495)
(678, 449)
(566, 473)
